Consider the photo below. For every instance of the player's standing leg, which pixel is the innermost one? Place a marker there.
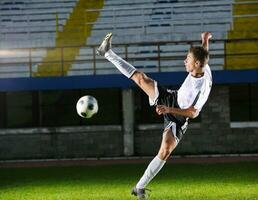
(168, 144)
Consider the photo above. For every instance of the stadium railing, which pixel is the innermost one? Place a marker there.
(148, 56)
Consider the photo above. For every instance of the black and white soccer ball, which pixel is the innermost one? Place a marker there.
(87, 106)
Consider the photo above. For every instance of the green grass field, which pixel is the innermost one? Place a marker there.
(231, 181)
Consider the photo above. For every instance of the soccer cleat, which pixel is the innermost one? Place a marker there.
(105, 45)
(140, 193)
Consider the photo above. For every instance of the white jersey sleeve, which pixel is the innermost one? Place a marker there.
(205, 90)
(188, 92)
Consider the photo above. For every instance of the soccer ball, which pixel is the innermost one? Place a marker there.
(87, 106)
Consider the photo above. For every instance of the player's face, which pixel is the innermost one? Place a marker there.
(190, 62)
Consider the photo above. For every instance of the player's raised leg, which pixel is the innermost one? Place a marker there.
(140, 78)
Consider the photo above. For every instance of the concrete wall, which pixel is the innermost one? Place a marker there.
(200, 141)
(214, 134)
(66, 142)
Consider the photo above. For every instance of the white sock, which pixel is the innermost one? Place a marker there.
(154, 167)
(124, 67)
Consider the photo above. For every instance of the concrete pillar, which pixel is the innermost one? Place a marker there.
(128, 121)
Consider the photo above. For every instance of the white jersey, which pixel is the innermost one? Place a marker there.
(189, 90)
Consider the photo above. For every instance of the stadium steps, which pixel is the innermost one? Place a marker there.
(74, 34)
(243, 55)
(29, 24)
(136, 21)
(32, 23)
(171, 18)
(128, 29)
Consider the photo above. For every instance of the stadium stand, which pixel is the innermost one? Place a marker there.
(148, 33)
(29, 24)
(18, 62)
(245, 16)
(173, 19)
(72, 36)
(148, 21)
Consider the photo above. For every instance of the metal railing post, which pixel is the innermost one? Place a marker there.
(231, 14)
(171, 22)
(126, 52)
(143, 25)
(114, 20)
(30, 62)
(159, 67)
(57, 23)
(62, 61)
(94, 60)
(225, 55)
(202, 18)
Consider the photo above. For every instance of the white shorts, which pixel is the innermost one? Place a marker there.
(172, 126)
(153, 101)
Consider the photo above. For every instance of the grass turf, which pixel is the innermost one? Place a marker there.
(230, 181)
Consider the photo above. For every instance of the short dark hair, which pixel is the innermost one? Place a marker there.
(200, 54)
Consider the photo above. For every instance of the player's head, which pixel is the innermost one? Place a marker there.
(197, 58)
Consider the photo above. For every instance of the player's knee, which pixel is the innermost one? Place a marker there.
(165, 151)
(140, 78)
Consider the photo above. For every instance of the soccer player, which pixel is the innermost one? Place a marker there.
(176, 106)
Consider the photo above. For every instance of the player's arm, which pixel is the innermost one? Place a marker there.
(190, 112)
(206, 36)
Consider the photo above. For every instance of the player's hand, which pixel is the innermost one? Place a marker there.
(206, 36)
(161, 109)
